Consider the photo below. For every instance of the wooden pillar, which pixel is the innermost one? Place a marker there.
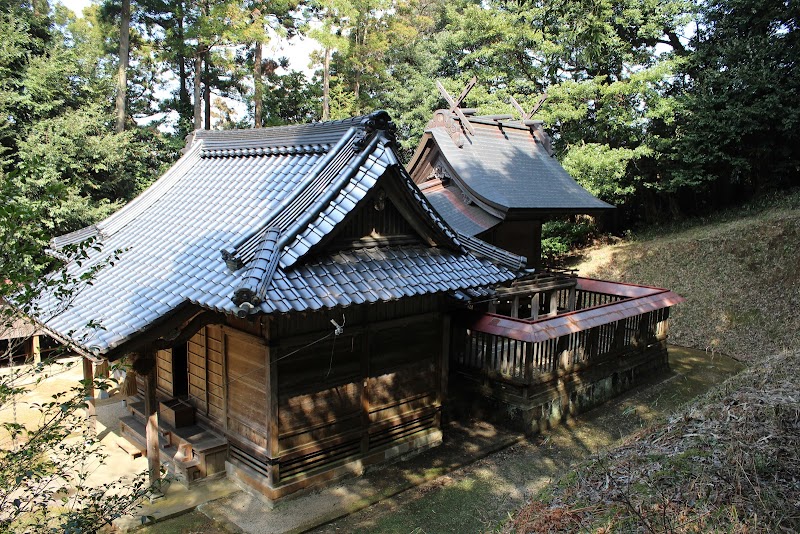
(147, 365)
(101, 371)
(563, 353)
(515, 307)
(620, 334)
(88, 388)
(644, 334)
(365, 355)
(36, 350)
(528, 347)
(593, 342)
(573, 291)
(552, 298)
(493, 306)
(535, 306)
(662, 327)
(444, 368)
(273, 470)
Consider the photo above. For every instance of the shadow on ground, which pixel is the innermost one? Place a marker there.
(478, 476)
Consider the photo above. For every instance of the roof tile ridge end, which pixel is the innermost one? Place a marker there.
(252, 290)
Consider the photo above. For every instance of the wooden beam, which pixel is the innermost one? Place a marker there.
(175, 329)
(466, 90)
(151, 420)
(88, 388)
(536, 286)
(454, 104)
(518, 108)
(525, 116)
(36, 350)
(537, 106)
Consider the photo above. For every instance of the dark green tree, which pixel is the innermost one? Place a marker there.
(740, 131)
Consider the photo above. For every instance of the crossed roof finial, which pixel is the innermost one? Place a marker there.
(527, 116)
(455, 103)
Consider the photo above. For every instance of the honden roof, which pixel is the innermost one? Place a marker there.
(504, 169)
(233, 221)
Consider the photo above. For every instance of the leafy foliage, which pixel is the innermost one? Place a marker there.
(46, 461)
(44, 471)
(559, 238)
(742, 110)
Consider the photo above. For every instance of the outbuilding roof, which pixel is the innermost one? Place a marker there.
(231, 225)
(502, 168)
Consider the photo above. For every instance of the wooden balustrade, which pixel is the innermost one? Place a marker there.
(520, 362)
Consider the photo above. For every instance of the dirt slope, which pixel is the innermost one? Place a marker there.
(740, 274)
(728, 462)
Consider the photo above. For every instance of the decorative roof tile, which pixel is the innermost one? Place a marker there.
(266, 198)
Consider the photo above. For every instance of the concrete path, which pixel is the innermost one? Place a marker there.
(478, 477)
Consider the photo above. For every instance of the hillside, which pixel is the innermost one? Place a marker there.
(739, 271)
(727, 462)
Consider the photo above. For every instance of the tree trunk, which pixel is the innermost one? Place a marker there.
(258, 92)
(207, 93)
(122, 75)
(326, 85)
(185, 103)
(198, 96)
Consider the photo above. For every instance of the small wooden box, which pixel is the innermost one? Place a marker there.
(176, 413)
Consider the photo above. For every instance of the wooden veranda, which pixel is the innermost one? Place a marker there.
(556, 345)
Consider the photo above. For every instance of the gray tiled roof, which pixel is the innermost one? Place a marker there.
(505, 167)
(265, 197)
(468, 219)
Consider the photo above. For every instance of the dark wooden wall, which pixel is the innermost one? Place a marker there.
(348, 396)
(164, 381)
(206, 389)
(322, 400)
(520, 237)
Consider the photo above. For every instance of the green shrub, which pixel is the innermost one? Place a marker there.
(559, 238)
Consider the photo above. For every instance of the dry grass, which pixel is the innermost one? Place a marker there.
(729, 462)
(740, 276)
(726, 463)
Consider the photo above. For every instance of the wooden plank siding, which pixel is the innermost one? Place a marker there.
(196, 354)
(246, 386)
(300, 401)
(215, 380)
(164, 380)
(341, 398)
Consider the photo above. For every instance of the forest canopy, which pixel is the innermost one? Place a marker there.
(661, 107)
